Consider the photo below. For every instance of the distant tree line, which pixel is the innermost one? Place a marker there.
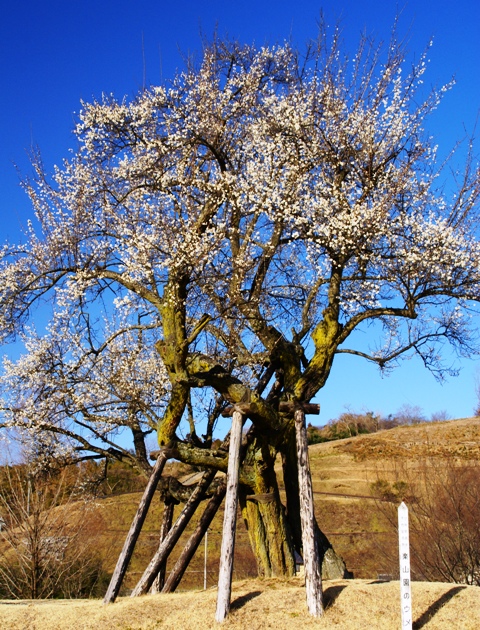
(350, 424)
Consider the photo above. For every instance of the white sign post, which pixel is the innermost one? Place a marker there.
(404, 552)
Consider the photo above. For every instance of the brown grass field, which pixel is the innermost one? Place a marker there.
(258, 604)
(342, 472)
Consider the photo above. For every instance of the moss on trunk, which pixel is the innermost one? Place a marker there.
(264, 514)
(269, 537)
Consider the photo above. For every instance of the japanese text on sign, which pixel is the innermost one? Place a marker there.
(404, 555)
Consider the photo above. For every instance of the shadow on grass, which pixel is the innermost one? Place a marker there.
(331, 593)
(435, 607)
(244, 599)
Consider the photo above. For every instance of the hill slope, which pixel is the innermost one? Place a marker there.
(257, 605)
(343, 471)
(342, 474)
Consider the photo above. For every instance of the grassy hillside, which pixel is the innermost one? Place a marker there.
(257, 605)
(342, 473)
(344, 470)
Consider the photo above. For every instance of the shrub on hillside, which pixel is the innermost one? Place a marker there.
(47, 546)
(347, 425)
(350, 424)
(443, 497)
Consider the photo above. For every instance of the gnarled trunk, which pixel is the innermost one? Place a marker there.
(268, 532)
(274, 531)
(264, 515)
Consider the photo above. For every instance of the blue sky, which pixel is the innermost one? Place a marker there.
(53, 54)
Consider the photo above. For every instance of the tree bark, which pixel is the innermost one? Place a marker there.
(269, 536)
(264, 514)
(230, 519)
(135, 528)
(173, 535)
(313, 573)
(192, 545)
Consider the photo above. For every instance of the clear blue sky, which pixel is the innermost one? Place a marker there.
(53, 54)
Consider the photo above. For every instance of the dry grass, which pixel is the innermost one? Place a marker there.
(257, 605)
(458, 438)
(342, 472)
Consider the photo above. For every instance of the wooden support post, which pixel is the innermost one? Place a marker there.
(230, 519)
(195, 539)
(167, 520)
(311, 558)
(135, 528)
(173, 535)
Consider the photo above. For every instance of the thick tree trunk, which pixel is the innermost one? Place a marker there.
(264, 515)
(290, 480)
(268, 532)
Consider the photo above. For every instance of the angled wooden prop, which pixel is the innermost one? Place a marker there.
(193, 542)
(173, 535)
(135, 528)
(168, 509)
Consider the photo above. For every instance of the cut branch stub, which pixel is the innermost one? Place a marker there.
(265, 497)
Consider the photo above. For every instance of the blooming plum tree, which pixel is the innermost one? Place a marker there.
(72, 395)
(218, 240)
